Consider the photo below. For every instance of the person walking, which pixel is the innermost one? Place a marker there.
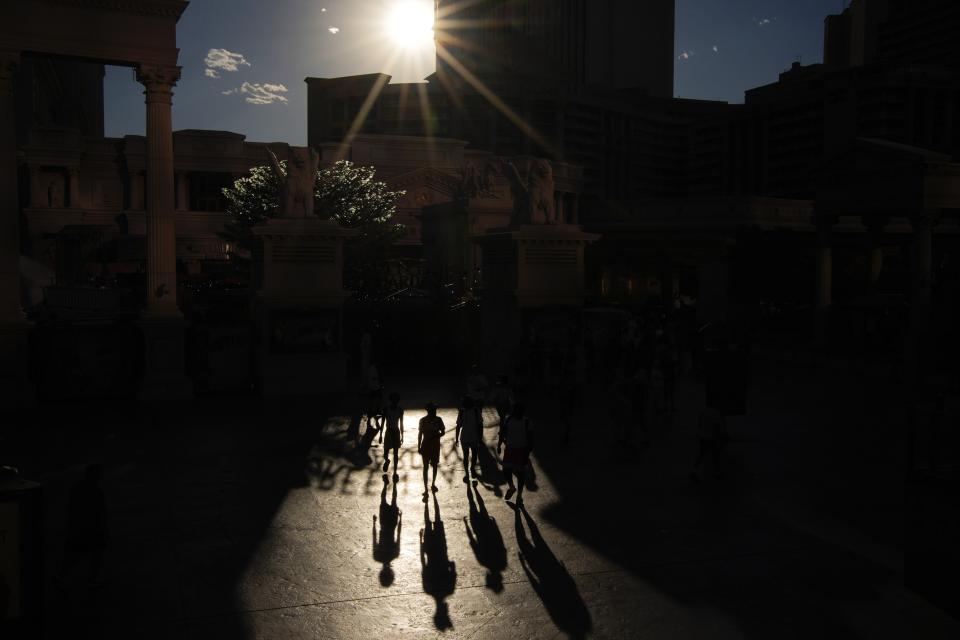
(477, 387)
(428, 444)
(469, 434)
(517, 434)
(502, 398)
(374, 400)
(393, 416)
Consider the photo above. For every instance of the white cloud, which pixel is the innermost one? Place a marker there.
(230, 92)
(334, 30)
(222, 60)
(716, 49)
(265, 93)
(762, 22)
(686, 55)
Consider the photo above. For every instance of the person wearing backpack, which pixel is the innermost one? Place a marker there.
(469, 434)
(517, 434)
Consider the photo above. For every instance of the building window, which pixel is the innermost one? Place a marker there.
(206, 191)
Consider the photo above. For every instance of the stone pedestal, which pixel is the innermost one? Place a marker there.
(528, 271)
(298, 309)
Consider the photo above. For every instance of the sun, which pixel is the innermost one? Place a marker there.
(409, 24)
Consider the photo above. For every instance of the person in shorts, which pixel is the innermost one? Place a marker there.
(469, 434)
(428, 444)
(393, 416)
(517, 434)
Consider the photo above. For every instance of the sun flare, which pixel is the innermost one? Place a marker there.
(409, 24)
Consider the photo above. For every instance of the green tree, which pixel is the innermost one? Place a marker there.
(349, 194)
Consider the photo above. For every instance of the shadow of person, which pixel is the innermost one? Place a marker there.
(439, 573)
(550, 579)
(490, 475)
(387, 548)
(361, 454)
(486, 541)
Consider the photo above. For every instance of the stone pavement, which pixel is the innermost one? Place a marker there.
(246, 519)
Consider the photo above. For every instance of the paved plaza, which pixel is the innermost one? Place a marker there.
(241, 518)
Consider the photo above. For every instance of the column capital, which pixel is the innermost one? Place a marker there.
(159, 81)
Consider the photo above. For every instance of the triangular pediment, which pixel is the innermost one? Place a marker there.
(435, 179)
(425, 187)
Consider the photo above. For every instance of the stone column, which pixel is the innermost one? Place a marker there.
(575, 209)
(875, 227)
(16, 391)
(9, 205)
(559, 199)
(824, 293)
(73, 188)
(161, 232)
(162, 323)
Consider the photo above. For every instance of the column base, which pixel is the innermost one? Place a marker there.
(16, 388)
(164, 360)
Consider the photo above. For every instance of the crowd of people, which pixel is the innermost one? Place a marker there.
(629, 369)
(514, 442)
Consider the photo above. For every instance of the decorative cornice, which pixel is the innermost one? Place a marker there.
(164, 8)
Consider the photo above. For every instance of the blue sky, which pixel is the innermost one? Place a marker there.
(244, 61)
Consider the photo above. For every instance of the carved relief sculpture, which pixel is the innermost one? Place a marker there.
(477, 183)
(532, 186)
(296, 195)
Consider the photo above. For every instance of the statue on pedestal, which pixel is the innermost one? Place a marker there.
(475, 182)
(532, 186)
(296, 195)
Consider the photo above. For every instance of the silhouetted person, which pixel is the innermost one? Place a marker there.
(477, 387)
(517, 434)
(394, 427)
(86, 525)
(486, 541)
(712, 432)
(502, 398)
(374, 400)
(428, 444)
(550, 579)
(387, 548)
(469, 434)
(439, 573)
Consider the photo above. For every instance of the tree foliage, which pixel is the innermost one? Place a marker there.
(349, 194)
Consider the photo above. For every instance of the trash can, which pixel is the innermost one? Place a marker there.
(21, 558)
